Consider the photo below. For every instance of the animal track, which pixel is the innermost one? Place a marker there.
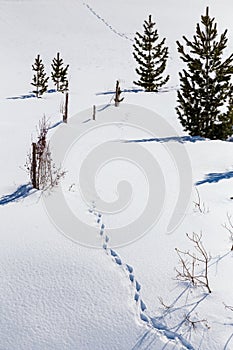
(136, 286)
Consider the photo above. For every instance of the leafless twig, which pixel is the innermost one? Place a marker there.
(229, 307)
(199, 205)
(194, 323)
(167, 307)
(43, 172)
(229, 228)
(190, 261)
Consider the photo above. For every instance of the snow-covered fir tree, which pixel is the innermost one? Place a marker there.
(205, 96)
(151, 56)
(39, 80)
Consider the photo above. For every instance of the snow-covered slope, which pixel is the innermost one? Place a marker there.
(58, 294)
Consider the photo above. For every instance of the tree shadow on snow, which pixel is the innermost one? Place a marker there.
(55, 125)
(30, 95)
(215, 177)
(21, 192)
(180, 139)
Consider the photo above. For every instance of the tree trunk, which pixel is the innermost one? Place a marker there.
(94, 112)
(65, 115)
(117, 98)
(33, 170)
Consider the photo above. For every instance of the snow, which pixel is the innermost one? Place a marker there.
(56, 293)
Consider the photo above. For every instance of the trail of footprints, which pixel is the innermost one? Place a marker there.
(127, 268)
(136, 287)
(122, 35)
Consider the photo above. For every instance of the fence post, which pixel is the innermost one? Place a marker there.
(33, 169)
(94, 112)
(117, 98)
(65, 114)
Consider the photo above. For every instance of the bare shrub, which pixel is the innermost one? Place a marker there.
(228, 307)
(193, 323)
(43, 172)
(199, 204)
(165, 306)
(191, 262)
(229, 227)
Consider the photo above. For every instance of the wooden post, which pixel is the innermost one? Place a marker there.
(117, 98)
(33, 168)
(94, 112)
(65, 114)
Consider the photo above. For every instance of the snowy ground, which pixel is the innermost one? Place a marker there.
(58, 294)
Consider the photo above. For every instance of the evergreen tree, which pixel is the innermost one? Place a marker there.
(39, 79)
(205, 97)
(59, 74)
(151, 57)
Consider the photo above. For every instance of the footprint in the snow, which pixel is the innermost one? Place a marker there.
(143, 306)
(138, 287)
(101, 232)
(131, 277)
(113, 253)
(118, 261)
(144, 318)
(129, 268)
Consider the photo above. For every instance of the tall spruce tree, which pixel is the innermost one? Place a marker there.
(59, 74)
(151, 57)
(205, 97)
(39, 80)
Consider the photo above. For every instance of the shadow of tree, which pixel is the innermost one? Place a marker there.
(22, 191)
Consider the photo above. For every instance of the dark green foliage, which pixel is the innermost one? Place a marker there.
(39, 79)
(59, 74)
(151, 57)
(205, 97)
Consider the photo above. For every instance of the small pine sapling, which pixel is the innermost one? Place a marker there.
(39, 80)
(151, 56)
(59, 74)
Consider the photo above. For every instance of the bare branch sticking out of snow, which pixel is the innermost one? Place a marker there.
(229, 228)
(191, 261)
(200, 205)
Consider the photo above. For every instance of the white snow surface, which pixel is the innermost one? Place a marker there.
(56, 294)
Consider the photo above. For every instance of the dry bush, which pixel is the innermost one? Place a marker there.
(199, 204)
(191, 262)
(43, 172)
(229, 228)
